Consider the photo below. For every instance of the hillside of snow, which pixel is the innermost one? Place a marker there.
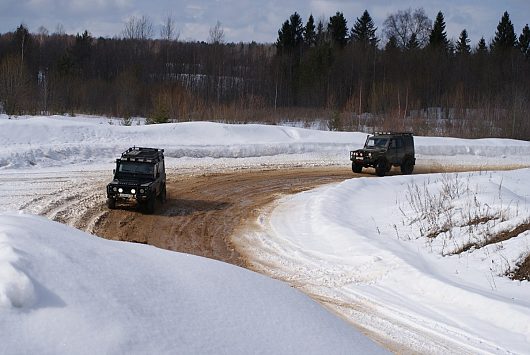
(66, 292)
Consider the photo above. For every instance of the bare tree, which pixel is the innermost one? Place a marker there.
(138, 28)
(217, 34)
(168, 31)
(405, 23)
(59, 30)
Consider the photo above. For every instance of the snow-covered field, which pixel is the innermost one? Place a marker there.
(397, 256)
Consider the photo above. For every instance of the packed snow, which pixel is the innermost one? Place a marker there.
(368, 242)
(368, 249)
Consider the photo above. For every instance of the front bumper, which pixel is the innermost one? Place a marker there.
(127, 192)
(365, 159)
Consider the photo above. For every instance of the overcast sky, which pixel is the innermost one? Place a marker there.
(245, 20)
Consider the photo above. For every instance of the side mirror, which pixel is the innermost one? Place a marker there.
(114, 171)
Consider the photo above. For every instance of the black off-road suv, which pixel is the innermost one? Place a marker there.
(139, 175)
(384, 150)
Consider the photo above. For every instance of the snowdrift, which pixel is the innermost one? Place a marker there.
(58, 140)
(63, 291)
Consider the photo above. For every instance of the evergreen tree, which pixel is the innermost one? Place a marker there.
(338, 29)
(363, 31)
(505, 37)
(297, 29)
(285, 39)
(321, 34)
(481, 47)
(413, 43)
(392, 45)
(524, 41)
(290, 35)
(309, 32)
(438, 37)
(462, 46)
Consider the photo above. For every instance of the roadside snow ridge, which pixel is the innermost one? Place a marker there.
(16, 288)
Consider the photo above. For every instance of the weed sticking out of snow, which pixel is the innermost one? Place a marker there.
(459, 213)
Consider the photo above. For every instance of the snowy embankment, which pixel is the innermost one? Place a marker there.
(430, 254)
(63, 292)
(58, 141)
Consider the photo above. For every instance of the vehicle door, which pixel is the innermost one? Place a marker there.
(392, 155)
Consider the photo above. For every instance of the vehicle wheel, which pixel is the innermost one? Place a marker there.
(356, 168)
(150, 205)
(111, 203)
(407, 167)
(163, 195)
(380, 168)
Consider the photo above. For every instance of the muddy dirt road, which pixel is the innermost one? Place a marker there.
(203, 211)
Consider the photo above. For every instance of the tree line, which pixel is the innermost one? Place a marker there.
(409, 75)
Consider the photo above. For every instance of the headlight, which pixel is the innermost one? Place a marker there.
(369, 155)
(120, 190)
(142, 191)
(114, 189)
(133, 191)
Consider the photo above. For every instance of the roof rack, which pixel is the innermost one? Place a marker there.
(392, 133)
(141, 154)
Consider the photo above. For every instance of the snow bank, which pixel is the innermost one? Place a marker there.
(56, 141)
(363, 242)
(64, 291)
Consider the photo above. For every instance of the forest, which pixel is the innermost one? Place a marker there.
(408, 75)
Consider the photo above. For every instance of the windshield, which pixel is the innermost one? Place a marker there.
(374, 142)
(128, 167)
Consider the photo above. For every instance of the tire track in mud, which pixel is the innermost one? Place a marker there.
(203, 211)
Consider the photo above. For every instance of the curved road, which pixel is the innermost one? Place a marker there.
(203, 213)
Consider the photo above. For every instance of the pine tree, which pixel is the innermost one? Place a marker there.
(321, 34)
(413, 43)
(285, 39)
(481, 47)
(338, 29)
(524, 41)
(462, 46)
(438, 37)
(505, 38)
(297, 29)
(392, 45)
(309, 32)
(290, 35)
(363, 31)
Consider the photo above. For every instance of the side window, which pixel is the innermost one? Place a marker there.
(392, 144)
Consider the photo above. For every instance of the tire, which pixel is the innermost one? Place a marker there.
(163, 195)
(407, 167)
(356, 168)
(111, 203)
(381, 168)
(149, 206)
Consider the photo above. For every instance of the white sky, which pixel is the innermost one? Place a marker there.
(248, 20)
